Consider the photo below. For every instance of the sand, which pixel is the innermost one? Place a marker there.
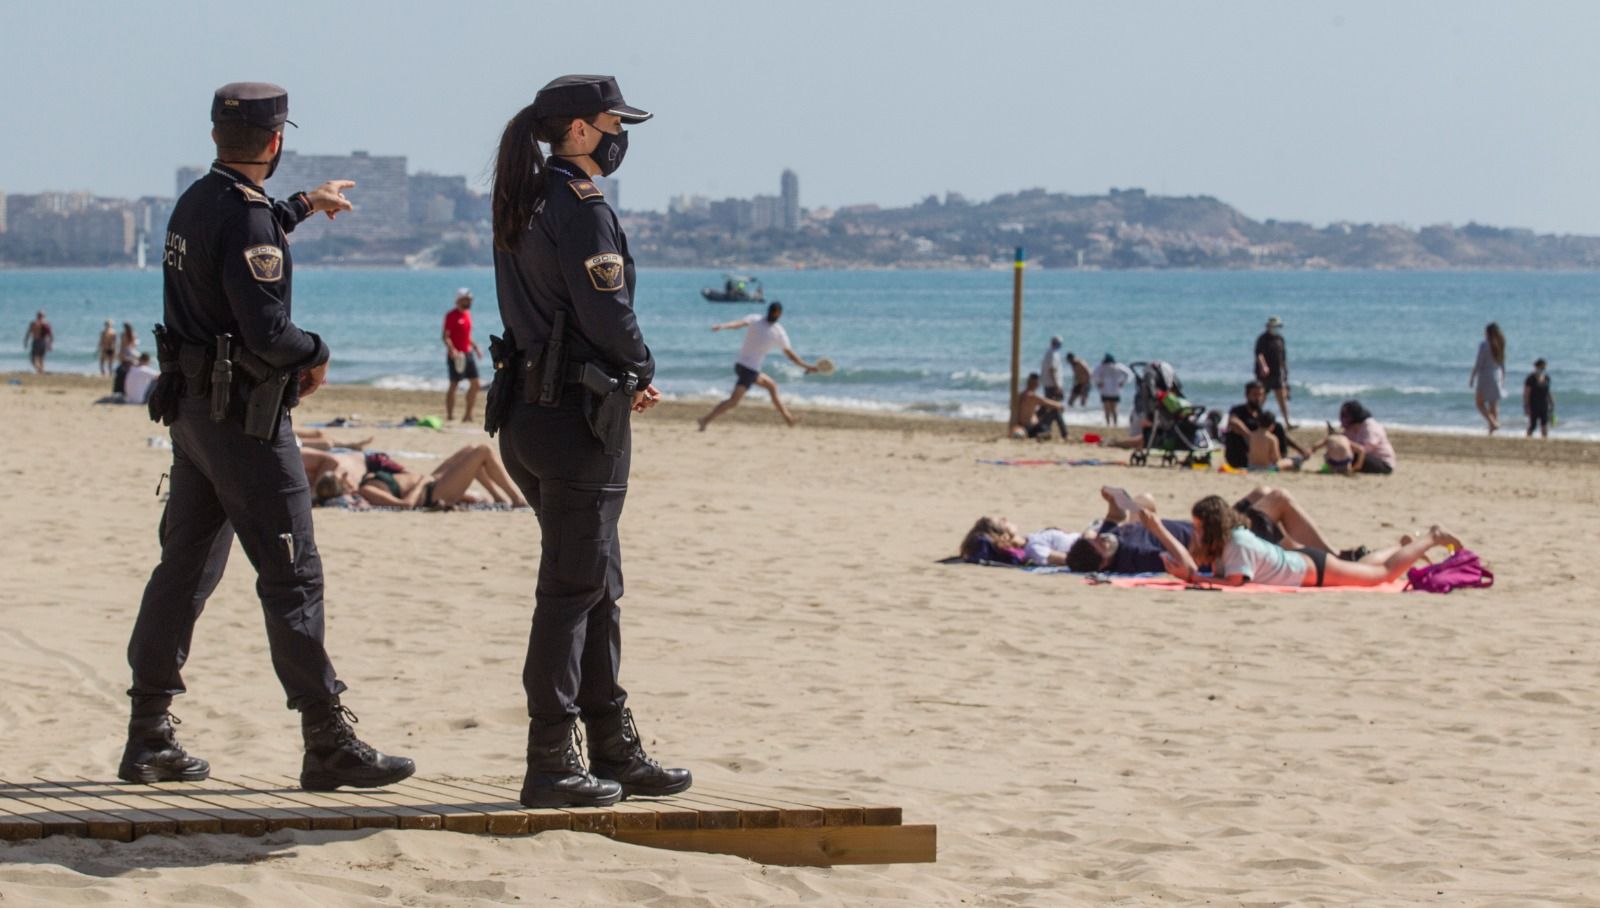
(785, 625)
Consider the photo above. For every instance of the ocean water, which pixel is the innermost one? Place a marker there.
(939, 342)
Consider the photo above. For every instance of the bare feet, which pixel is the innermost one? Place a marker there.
(702, 423)
(1444, 538)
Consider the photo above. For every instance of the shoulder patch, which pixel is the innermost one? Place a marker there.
(585, 190)
(605, 271)
(266, 263)
(250, 195)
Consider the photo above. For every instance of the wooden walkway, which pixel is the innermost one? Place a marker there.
(724, 818)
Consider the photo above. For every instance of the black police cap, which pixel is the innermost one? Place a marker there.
(253, 103)
(583, 96)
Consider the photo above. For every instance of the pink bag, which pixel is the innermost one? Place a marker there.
(1461, 570)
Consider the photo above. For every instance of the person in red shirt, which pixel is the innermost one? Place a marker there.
(461, 354)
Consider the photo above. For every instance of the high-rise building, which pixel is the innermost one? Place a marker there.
(382, 194)
(187, 177)
(790, 184)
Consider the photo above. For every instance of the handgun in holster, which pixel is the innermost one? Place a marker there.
(222, 378)
(163, 400)
(497, 403)
(265, 401)
(551, 365)
(608, 414)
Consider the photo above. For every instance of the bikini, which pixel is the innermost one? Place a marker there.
(386, 478)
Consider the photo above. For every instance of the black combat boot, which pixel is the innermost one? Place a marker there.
(153, 753)
(556, 777)
(616, 753)
(335, 756)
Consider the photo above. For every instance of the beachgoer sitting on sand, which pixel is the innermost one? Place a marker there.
(998, 539)
(316, 438)
(1222, 538)
(1266, 452)
(366, 476)
(1359, 445)
(1121, 544)
(1246, 418)
(1036, 413)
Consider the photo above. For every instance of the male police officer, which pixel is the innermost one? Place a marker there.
(232, 364)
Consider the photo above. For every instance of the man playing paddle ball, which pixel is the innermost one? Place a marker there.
(760, 336)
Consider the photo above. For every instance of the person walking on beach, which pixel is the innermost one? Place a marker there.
(39, 340)
(1050, 370)
(566, 286)
(760, 336)
(461, 354)
(107, 348)
(1109, 377)
(1489, 375)
(230, 354)
(1081, 379)
(1272, 366)
(127, 356)
(1538, 401)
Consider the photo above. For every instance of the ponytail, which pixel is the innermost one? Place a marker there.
(519, 173)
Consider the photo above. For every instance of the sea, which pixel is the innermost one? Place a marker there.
(939, 342)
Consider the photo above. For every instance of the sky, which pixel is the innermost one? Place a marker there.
(1415, 113)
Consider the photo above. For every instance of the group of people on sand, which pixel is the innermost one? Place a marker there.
(1265, 537)
(1045, 396)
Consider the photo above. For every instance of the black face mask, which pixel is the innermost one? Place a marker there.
(609, 153)
(272, 165)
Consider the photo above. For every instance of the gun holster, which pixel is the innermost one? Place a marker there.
(497, 403)
(163, 400)
(608, 411)
(264, 397)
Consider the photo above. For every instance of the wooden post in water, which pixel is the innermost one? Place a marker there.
(1016, 337)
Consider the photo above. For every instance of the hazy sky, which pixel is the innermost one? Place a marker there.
(1413, 112)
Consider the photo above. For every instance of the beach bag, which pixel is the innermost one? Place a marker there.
(1462, 570)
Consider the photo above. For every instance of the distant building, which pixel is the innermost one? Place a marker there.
(382, 194)
(790, 194)
(187, 177)
(435, 198)
(766, 212)
(59, 228)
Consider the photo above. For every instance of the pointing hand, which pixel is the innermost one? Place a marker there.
(329, 197)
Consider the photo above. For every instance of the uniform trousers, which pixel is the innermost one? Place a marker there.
(223, 483)
(575, 647)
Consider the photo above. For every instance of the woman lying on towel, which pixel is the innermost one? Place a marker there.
(380, 480)
(998, 540)
(1222, 538)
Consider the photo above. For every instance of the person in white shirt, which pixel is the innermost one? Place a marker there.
(760, 336)
(1050, 371)
(136, 386)
(1109, 377)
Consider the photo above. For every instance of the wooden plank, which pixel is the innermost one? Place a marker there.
(539, 818)
(141, 822)
(316, 805)
(872, 814)
(132, 800)
(819, 847)
(17, 827)
(80, 820)
(751, 815)
(271, 813)
(414, 812)
(501, 815)
(790, 814)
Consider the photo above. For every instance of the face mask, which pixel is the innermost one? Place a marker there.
(609, 153)
(272, 168)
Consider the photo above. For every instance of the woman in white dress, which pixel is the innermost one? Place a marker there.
(1489, 375)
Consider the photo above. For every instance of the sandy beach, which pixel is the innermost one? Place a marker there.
(785, 625)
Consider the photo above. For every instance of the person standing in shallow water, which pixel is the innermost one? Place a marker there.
(1489, 375)
(1272, 366)
(569, 373)
(1538, 401)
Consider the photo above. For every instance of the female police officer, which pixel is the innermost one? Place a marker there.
(571, 369)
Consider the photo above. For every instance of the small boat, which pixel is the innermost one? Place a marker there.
(736, 288)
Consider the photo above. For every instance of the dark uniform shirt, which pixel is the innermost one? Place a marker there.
(1270, 347)
(573, 256)
(226, 269)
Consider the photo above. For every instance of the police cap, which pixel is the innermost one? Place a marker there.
(259, 104)
(582, 96)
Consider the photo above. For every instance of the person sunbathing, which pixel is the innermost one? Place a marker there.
(1121, 544)
(377, 479)
(316, 438)
(1222, 538)
(998, 539)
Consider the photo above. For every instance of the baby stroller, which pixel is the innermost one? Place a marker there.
(1171, 424)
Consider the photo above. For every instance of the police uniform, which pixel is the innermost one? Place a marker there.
(573, 261)
(227, 271)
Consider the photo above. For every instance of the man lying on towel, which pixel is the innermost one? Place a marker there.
(1123, 544)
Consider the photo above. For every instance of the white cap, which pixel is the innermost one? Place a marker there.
(463, 292)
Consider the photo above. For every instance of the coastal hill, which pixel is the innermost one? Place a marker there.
(1122, 229)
